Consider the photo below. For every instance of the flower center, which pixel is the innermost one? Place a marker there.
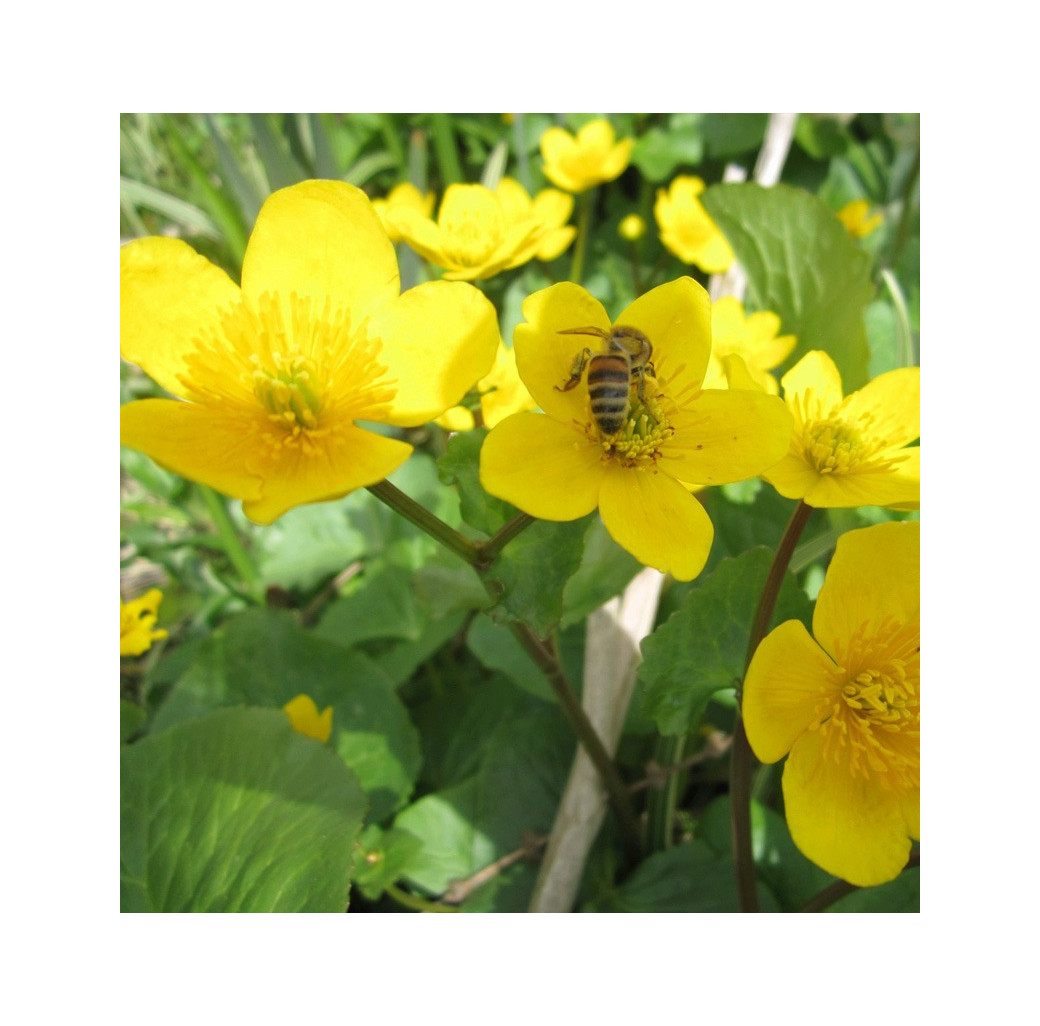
(833, 443)
(296, 369)
(870, 715)
(471, 233)
(642, 433)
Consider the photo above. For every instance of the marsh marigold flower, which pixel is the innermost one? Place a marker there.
(272, 377)
(858, 220)
(404, 196)
(844, 706)
(577, 163)
(687, 230)
(137, 619)
(850, 450)
(304, 716)
(480, 232)
(753, 337)
(562, 465)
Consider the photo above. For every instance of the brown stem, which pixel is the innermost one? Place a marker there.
(740, 757)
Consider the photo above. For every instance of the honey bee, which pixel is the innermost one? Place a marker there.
(625, 359)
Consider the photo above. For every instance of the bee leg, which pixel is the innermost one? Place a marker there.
(577, 369)
(641, 373)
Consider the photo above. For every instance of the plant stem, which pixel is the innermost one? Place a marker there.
(426, 521)
(480, 556)
(445, 149)
(661, 800)
(230, 541)
(580, 244)
(740, 757)
(620, 798)
(488, 551)
(414, 902)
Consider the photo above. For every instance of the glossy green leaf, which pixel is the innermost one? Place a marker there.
(702, 647)
(236, 812)
(802, 264)
(459, 466)
(263, 657)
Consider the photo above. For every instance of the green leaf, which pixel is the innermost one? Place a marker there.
(131, 719)
(903, 894)
(460, 466)
(236, 812)
(497, 649)
(529, 576)
(690, 877)
(658, 152)
(728, 135)
(702, 647)
(802, 264)
(263, 657)
(606, 569)
(790, 876)
(515, 791)
(380, 857)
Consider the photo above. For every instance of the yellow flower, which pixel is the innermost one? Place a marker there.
(577, 163)
(304, 716)
(501, 393)
(687, 230)
(851, 451)
(845, 703)
(672, 437)
(405, 196)
(137, 619)
(752, 337)
(632, 228)
(480, 232)
(854, 216)
(276, 373)
(551, 209)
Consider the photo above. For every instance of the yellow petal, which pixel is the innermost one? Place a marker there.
(545, 358)
(889, 406)
(816, 373)
(217, 448)
(438, 339)
(306, 720)
(846, 824)
(545, 468)
(322, 239)
(350, 458)
(169, 296)
(787, 676)
(676, 317)
(728, 435)
(897, 486)
(875, 573)
(656, 519)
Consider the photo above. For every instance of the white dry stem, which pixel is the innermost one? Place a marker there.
(615, 630)
(613, 634)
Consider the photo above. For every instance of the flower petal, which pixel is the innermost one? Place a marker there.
(322, 239)
(350, 458)
(438, 340)
(676, 317)
(727, 435)
(656, 519)
(545, 357)
(815, 372)
(875, 573)
(782, 689)
(169, 296)
(215, 448)
(541, 466)
(898, 485)
(846, 824)
(890, 405)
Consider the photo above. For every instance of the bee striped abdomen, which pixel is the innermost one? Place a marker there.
(608, 381)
